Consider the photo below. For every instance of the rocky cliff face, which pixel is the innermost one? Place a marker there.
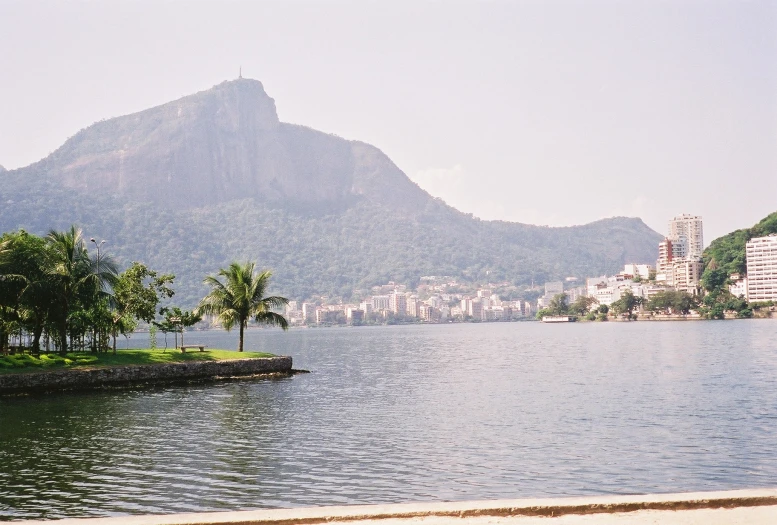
(218, 145)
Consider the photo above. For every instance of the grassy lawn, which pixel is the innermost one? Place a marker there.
(26, 363)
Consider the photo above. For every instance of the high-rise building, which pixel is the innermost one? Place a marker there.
(309, 312)
(686, 231)
(679, 254)
(398, 303)
(761, 253)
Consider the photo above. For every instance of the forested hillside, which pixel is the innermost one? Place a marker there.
(194, 184)
(728, 252)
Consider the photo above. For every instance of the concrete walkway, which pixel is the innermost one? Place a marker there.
(755, 507)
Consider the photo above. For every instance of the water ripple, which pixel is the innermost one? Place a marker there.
(410, 414)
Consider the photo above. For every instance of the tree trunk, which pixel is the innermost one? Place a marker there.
(36, 333)
(240, 344)
(62, 338)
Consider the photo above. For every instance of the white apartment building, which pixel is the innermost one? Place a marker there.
(309, 312)
(398, 303)
(679, 254)
(687, 231)
(738, 286)
(643, 270)
(761, 255)
(686, 274)
(380, 302)
(668, 251)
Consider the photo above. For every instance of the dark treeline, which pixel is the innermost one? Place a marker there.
(57, 295)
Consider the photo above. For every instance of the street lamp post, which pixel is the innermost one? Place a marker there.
(98, 253)
(99, 281)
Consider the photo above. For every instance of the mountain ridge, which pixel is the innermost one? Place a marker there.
(157, 154)
(190, 185)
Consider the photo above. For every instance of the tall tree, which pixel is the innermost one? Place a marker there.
(75, 278)
(24, 285)
(136, 293)
(558, 305)
(627, 303)
(241, 297)
(69, 268)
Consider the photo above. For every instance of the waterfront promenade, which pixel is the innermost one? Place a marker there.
(754, 507)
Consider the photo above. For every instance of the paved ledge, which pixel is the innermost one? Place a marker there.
(745, 506)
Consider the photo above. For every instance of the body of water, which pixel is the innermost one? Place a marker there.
(412, 413)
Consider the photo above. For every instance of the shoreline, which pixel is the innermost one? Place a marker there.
(667, 508)
(128, 376)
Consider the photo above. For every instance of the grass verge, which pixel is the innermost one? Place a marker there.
(13, 364)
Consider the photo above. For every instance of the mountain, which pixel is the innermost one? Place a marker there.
(193, 184)
(223, 144)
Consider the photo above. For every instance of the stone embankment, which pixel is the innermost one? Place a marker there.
(123, 376)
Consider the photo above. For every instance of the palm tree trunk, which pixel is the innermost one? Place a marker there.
(62, 338)
(240, 344)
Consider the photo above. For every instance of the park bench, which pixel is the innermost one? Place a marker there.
(184, 347)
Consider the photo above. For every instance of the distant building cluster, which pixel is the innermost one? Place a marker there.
(432, 302)
(440, 299)
(679, 267)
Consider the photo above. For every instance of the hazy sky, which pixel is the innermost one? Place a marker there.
(545, 112)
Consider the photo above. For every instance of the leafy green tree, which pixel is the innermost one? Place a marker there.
(152, 330)
(714, 278)
(176, 320)
(240, 297)
(627, 303)
(25, 293)
(544, 312)
(136, 294)
(672, 300)
(558, 305)
(583, 305)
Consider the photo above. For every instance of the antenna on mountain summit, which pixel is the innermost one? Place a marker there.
(240, 75)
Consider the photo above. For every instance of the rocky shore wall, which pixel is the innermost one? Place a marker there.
(122, 376)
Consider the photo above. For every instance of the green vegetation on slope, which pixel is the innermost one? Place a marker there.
(325, 249)
(73, 360)
(728, 252)
(725, 256)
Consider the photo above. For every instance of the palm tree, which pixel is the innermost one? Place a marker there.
(241, 297)
(74, 276)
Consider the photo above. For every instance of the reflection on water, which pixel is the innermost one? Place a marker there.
(413, 413)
